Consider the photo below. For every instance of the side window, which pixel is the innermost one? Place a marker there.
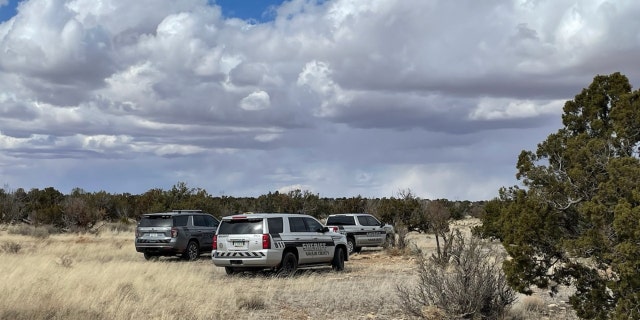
(211, 221)
(199, 221)
(363, 220)
(313, 225)
(275, 225)
(296, 224)
(180, 221)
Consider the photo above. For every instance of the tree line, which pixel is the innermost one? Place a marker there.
(82, 210)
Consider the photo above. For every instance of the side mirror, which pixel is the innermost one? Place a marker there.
(325, 229)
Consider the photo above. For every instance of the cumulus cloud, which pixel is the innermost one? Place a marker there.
(351, 97)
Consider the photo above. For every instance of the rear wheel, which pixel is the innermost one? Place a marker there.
(192, 252)
(289, 265)
(338, 260)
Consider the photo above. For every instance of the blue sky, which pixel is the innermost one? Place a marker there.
(258, 10)
(338, 97)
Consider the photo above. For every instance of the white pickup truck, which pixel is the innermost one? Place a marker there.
(361, 229)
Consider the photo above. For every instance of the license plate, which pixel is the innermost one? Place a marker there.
(238, 243)
(153, 235)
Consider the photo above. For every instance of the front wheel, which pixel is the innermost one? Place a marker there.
(229, 270)
(338, 260)
(289, 265)
(192, 252)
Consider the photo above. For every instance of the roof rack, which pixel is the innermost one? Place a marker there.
(186, 210)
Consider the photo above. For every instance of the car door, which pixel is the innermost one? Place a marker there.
(312, 244)
(374, 233)
(201, 232)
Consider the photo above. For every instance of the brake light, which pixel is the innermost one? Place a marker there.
(334, 229)
(266, 241)
(174, 233)
(214, 245)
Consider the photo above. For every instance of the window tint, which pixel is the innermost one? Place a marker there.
(155, 221)
(211, 221)
(199, 221)
(368, 221)
(341, 221)
(373, 221)
(275, 225)
(297, 224)
(313, 225)
(240, 227)
(180, 221)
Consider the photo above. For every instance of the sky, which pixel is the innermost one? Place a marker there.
(340, 98)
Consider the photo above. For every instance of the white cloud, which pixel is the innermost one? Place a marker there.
(257, 100)
(350, 97)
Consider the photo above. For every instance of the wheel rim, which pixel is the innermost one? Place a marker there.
(350, 246)
(193, 251)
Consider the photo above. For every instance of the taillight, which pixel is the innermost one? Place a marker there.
(174, 233)
(334, 229)
(266, 241)
(214, 245)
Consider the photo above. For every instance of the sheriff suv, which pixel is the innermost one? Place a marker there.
(278, 242)
(361, 230)
(185, 233)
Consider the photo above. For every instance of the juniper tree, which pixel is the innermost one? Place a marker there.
(576, 219)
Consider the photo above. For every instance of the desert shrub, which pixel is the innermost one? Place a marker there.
(401, 241)
(30, 231)
(65, 261)
(11, 247)
(250, 303)
(471, 285)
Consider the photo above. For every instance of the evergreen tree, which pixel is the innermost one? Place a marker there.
(576, 221)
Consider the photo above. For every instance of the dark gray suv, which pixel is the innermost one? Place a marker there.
(186, 233)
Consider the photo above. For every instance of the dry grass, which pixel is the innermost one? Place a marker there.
(76, 276)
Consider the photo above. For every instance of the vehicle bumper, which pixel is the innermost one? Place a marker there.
(262, 258)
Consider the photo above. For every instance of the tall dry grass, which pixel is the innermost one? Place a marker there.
(102, 277)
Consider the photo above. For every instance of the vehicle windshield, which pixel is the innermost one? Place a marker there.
(156, 221)
(241, 227)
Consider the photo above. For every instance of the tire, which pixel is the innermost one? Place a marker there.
(149, 256)
(351, 245)
(338, 260)
(229, 270)
(192, 252)
(357, 249)
(289, 265)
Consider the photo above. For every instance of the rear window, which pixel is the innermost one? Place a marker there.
(240, 227)
(156, 221)
(368, 221)
(341, 221)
